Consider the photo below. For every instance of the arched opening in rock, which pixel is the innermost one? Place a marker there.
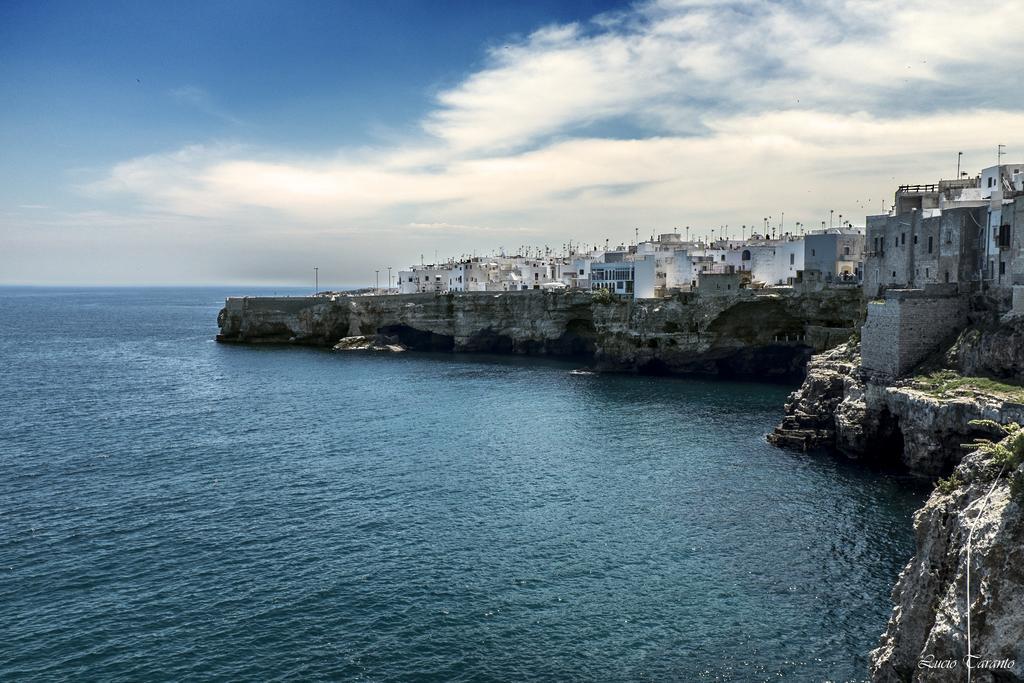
(577, 340)
(766, 363)
(885, 445)
(489, 341)
(654, 366)
(419, 340)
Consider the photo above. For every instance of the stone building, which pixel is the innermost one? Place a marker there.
(908, 250)
(942, 244)
(837, 253)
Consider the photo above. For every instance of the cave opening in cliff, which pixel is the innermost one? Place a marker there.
(776, 363)
(885, 446)
(654, 366)
(578, 339)
(489, 341)
(419, 340)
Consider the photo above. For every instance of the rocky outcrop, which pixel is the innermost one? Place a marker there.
(378, 342)
(755, 334)
(810, 412)
(994, 350)
(974, 523)
(903, 423)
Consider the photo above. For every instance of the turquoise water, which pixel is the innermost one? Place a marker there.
(171, 509)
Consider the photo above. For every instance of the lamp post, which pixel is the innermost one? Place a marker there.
(830, 212)
(958, 155)
(316, 280)
(389, 279)
(376, 289)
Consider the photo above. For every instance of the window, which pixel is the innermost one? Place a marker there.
(581, 271)
(926, 273)
(1002, 267)
(745, 256)
(929, 244)
(813, 253)
(915, 239)
(792, 259)
(1004, 235)
(723, 257)
(903, 238)
(846, 251)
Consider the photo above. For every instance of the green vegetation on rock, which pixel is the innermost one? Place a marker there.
(1006, 454)
(946, 383)
(950, 484)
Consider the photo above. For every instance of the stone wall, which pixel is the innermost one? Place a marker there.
(907, 325)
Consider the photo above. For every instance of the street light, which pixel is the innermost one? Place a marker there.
(316, 280)
(389, 279)
(376, 289)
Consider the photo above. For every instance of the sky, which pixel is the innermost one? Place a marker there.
(223, 142)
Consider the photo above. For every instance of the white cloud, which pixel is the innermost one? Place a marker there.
(199, 99)
(673, 113)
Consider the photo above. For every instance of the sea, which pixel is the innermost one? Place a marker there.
(176, 509)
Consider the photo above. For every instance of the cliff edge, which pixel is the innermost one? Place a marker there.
(941, 625)
(918, 422)
(765, 334)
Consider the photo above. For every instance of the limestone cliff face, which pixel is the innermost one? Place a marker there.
(995, 350)
(895, 422)
(898, 426)
(810, 412)
(929, 620)
(753, 334)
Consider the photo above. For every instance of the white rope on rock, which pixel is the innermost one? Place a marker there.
(970, 536)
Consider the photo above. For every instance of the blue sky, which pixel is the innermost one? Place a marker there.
(243, 141)
(89, 83)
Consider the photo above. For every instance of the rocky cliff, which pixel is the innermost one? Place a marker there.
(972, 524)
(918, 423)
(763, 334)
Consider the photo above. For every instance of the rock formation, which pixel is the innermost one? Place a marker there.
(768, 335)
(974, 523)
(920, 423)
(378, 342)
(917, 423)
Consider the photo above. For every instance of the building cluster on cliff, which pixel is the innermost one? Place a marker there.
(947, 252)
(657, 267)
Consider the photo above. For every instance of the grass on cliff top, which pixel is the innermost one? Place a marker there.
(942, 383)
